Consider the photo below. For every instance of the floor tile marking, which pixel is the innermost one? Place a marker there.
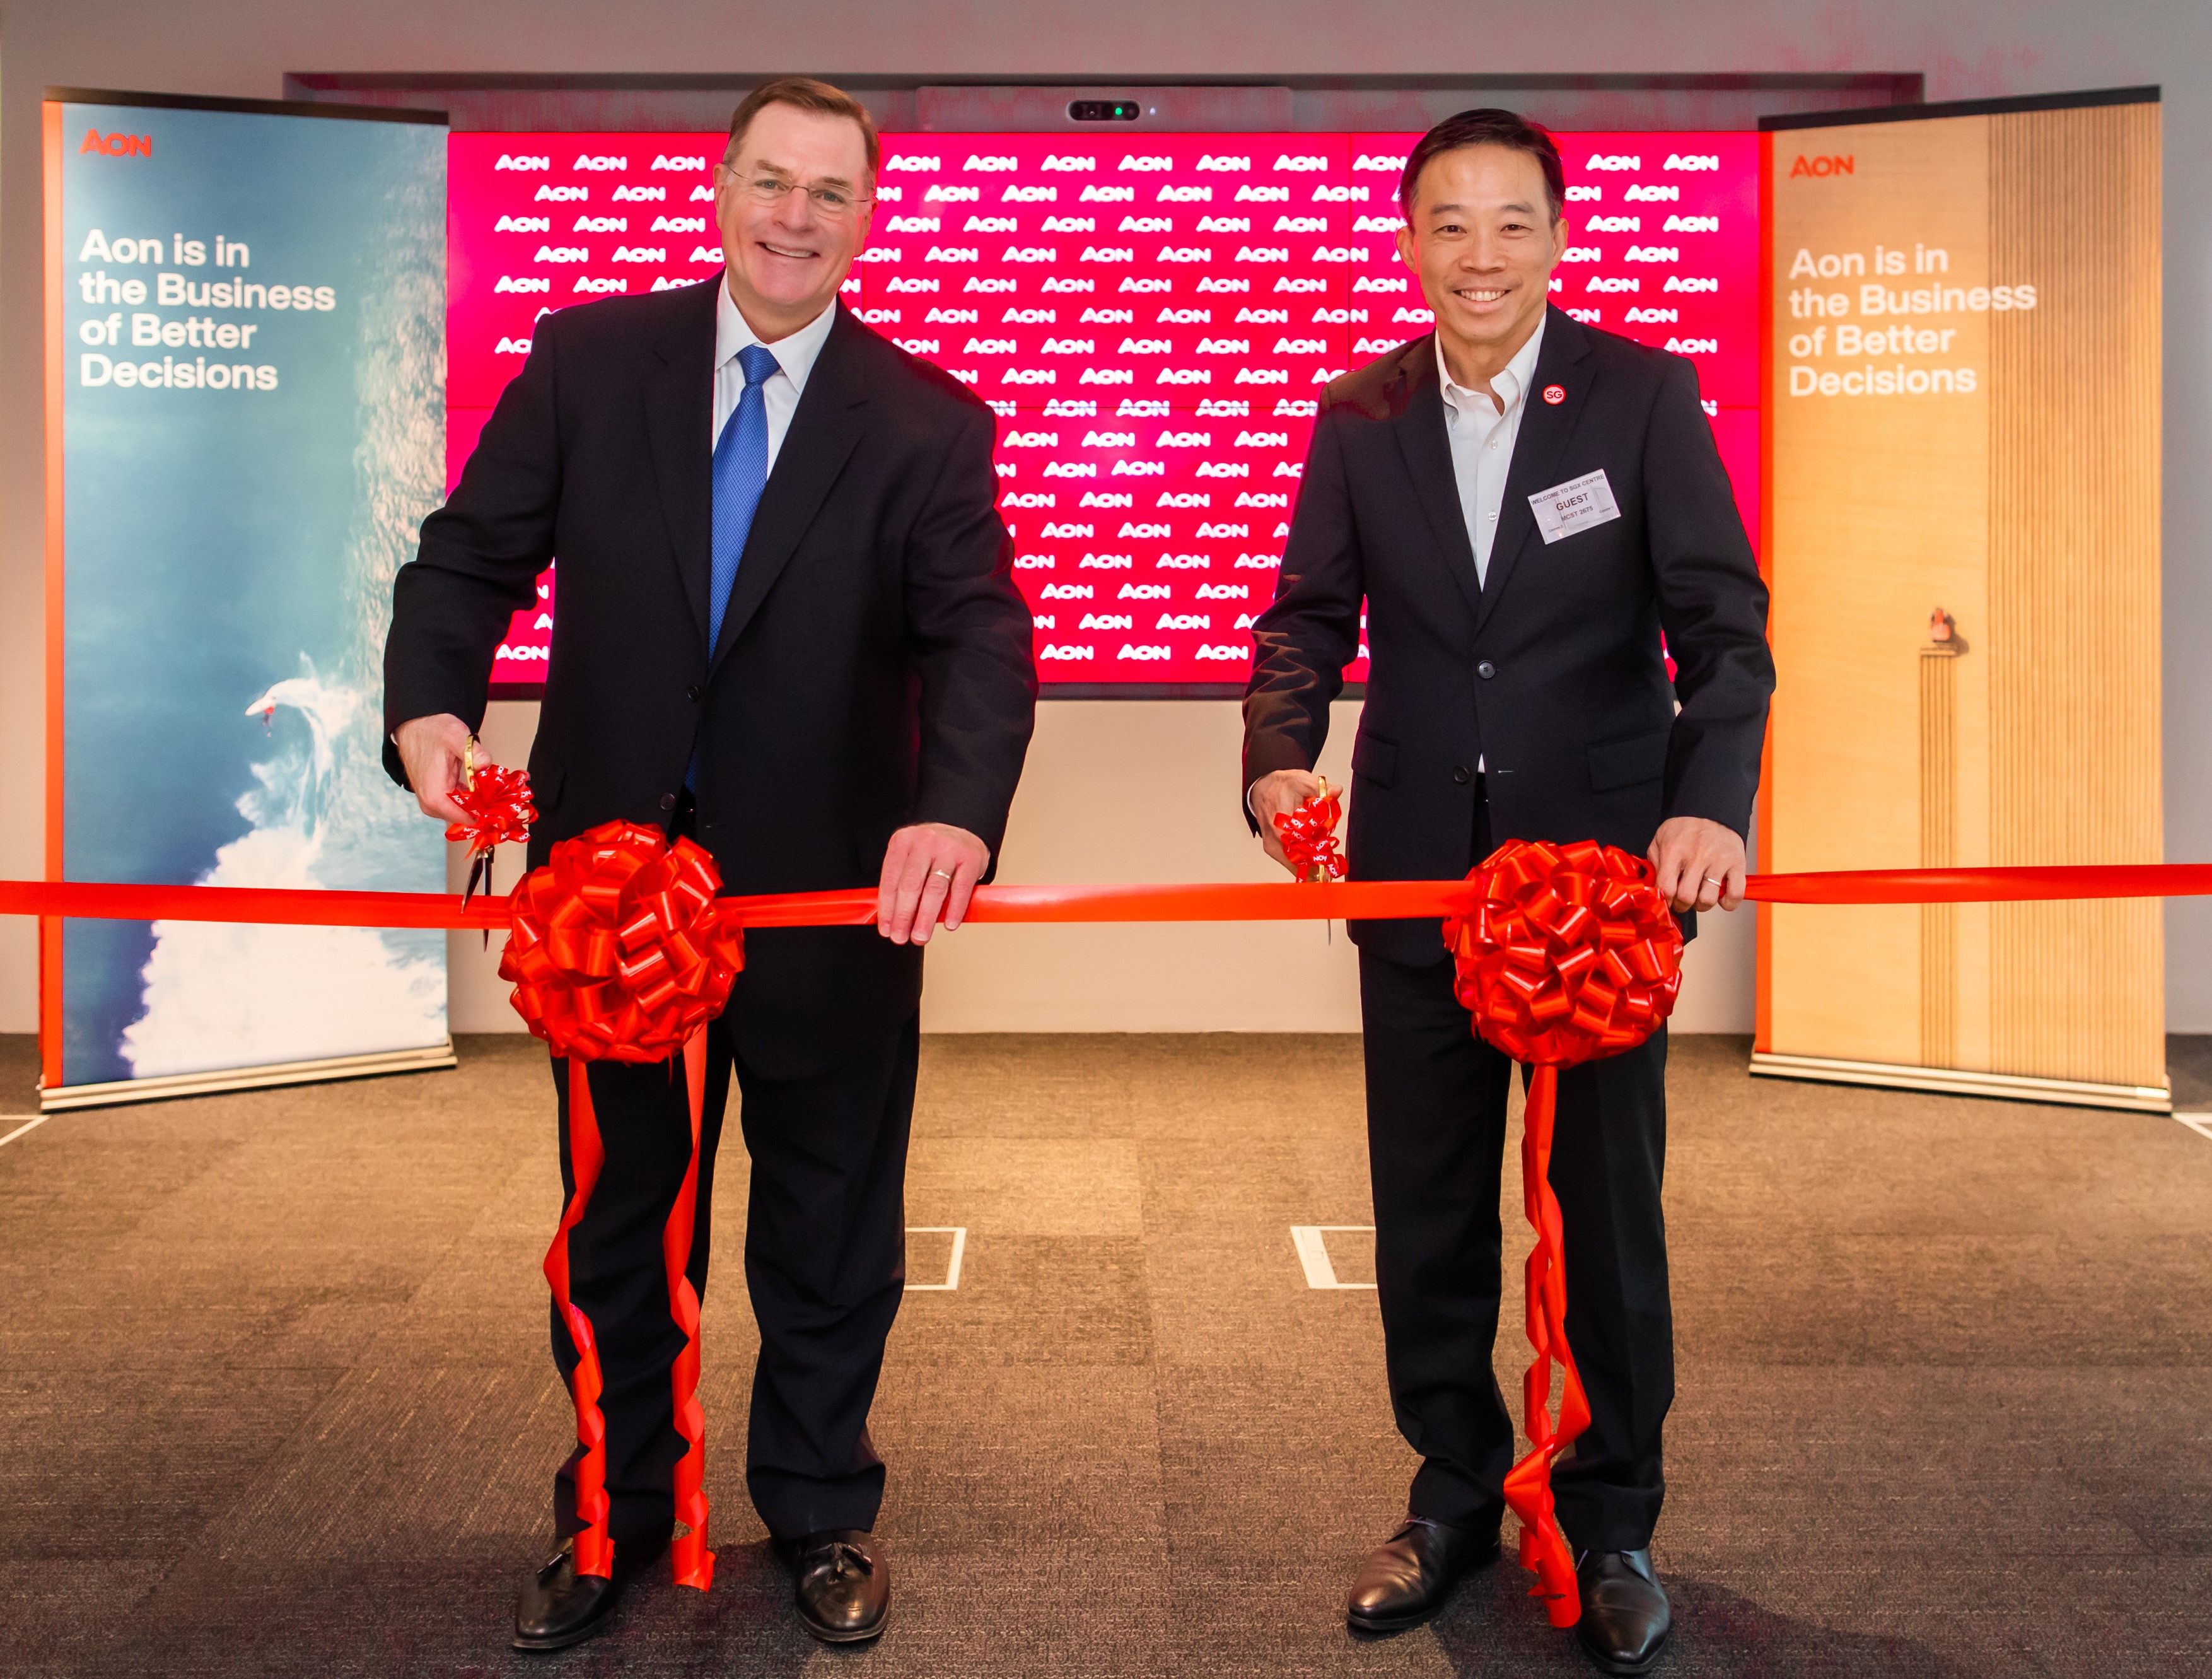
(959, 1234)
(1313, 1254)
(2200, 1123)
(31, 1125)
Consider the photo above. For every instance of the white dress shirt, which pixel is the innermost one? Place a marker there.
(794, 359)
(1482, 433)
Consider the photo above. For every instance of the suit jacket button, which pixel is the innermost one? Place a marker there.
(1485, 670)
(1462, 775)
(668, 802)
(692, 693)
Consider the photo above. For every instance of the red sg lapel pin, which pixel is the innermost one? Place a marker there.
(1555, 394)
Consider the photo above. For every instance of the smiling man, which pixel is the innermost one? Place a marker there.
(1519, 504)
(787, 629)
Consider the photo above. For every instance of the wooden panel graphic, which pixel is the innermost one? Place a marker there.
(1965, 550)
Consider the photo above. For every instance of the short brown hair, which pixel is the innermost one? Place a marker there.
(1488, 127)
(808, 94)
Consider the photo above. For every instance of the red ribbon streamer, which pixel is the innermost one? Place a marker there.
(619, 948)
(594, 1550)
(1544, 1549)
(1567, 953)
(1309, 837)
(1339, 900)
(688, 1552)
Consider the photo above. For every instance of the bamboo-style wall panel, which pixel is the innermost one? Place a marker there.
(1939, 848)
(2077, 988)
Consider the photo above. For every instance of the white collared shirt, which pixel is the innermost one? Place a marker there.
(1482, 433)
(794, 359)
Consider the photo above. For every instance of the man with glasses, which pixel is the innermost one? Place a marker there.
(788, 629)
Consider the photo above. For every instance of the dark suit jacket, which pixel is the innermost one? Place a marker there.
(874, 666)
(1551, 671)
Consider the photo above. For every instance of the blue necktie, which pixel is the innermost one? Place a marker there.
(740, 475)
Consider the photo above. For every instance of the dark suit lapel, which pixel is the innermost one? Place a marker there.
(679, 422)
(1540, 447)
(824, 431)
(1419, 421)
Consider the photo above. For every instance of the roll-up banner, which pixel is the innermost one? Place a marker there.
(245, 413)
(1962, 512)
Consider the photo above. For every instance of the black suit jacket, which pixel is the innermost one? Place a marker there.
(1551, 670)
(875, 664)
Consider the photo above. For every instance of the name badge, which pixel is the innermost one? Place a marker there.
(1575, 506)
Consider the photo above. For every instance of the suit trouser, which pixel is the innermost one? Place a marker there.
(1436, 1136)
(825, 1263)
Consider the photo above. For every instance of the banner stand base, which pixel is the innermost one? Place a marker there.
(1956, 1082)
(427, 1059)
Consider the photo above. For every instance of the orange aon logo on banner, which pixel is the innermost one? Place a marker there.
(117, 144)
(1836, 163)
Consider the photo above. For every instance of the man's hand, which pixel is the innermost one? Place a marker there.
(431, 748)
(930, 865)
(1700, 863)
(1278, 795)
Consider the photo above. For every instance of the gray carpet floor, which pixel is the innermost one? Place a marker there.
(275, 1397)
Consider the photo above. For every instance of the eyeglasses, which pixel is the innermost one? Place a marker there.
(831, 203)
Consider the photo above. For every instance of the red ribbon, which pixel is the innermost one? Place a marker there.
(1340, 900)
(618, 947)
(693, 1562)
(1567, 953)
(499, 809)
(624, 951)
(1309, 837)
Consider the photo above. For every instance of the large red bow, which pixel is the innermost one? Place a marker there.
(618, 950)
(1568, 953)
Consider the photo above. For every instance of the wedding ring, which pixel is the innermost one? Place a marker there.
(946, 873)
(1714, 880)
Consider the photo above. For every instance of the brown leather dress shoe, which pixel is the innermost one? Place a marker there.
(1409, 1578)
(841, 1586)
(1626, 1617)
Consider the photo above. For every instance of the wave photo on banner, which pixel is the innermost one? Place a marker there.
(253, 406)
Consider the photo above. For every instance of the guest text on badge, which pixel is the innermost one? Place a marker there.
(1574, 506)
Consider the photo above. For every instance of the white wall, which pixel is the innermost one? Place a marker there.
(1179, 758)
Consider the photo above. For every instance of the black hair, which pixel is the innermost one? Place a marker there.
(1488, 127)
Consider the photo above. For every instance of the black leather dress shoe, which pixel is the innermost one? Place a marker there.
(842, 1589)
(1409, 1578)
(1626, 1618)
(560, 1606)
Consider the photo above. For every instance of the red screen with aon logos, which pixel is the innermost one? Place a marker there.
(1151, 317)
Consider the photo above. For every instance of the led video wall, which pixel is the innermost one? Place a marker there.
(1152, 316)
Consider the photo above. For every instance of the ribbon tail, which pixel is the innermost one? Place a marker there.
(595, 1549)
(689, 1555)
(1544, 1549)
